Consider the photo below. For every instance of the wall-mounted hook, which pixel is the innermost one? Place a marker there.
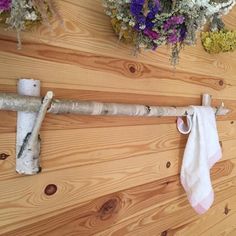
(206, 99)
(220, 108)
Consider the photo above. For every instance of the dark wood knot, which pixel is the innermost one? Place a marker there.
(108, 209)
(227, 210)
(50, 189)
(4, 156)
(164, 233)
(221, 82)
(232, 122)
(168, 164)
(132, 69)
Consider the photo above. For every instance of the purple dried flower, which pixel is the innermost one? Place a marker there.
(136, 7)
(142, 21)
(151, 34)
(178, 19)
(173, 37)
(151, 16)
(149, 24)
(173, 21)
(153, 9)
(139, 2)
(182, 33)
(5, 5)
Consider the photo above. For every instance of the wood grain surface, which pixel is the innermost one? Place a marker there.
(112, 175)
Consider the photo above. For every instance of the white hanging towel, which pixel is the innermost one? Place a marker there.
(202, 151)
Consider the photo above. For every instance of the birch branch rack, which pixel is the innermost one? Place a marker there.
(31, 110)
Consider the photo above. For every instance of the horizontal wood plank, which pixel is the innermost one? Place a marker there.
(219, 221)
(97, 80)
(63, 149)
(81, 184)
(162, 219)
(101, 213)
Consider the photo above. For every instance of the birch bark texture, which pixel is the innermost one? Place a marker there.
(13, 102)
(28, 164)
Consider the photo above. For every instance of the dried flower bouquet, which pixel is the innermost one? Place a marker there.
(20, 15)
(149, 24)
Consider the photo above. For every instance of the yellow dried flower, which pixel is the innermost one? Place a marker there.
(219, 41)
(127, 35)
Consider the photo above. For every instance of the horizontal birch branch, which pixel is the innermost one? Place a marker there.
(14, 102)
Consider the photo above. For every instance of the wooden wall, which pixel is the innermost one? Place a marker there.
(114, 176)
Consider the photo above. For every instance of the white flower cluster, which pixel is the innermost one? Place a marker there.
(211, 6)
(30, 13)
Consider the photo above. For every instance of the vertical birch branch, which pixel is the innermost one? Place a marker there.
(25, 124)
(30, 150)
